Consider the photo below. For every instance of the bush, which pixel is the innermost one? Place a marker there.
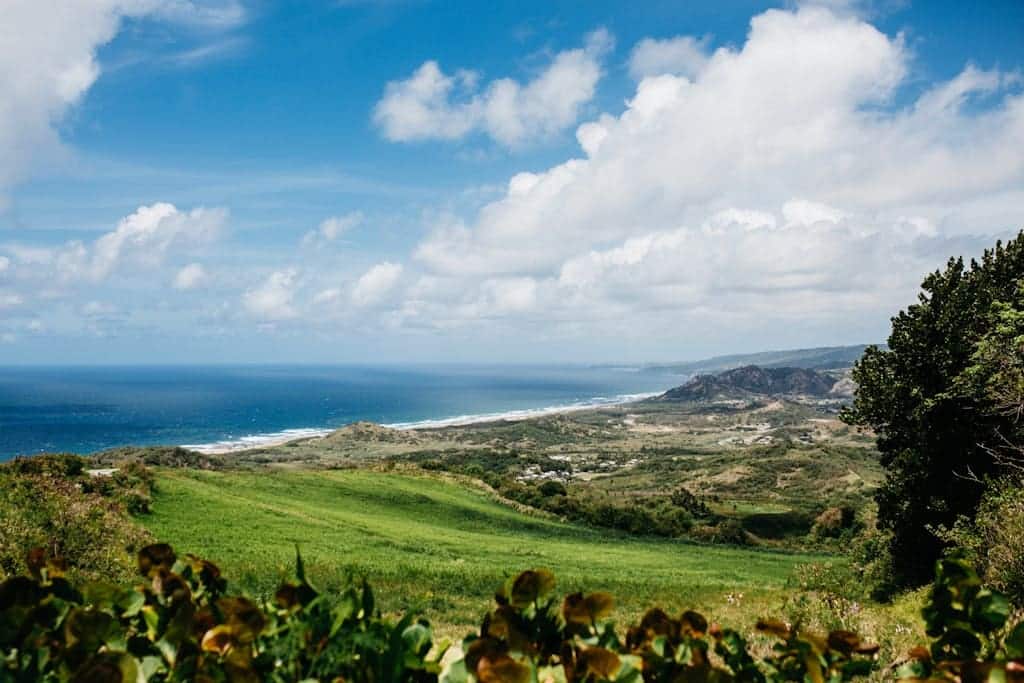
(994, 541)
(834, 521)
(552, 488)
(48, 501)
(182, 624)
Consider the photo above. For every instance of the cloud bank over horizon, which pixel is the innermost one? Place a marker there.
(800, 182)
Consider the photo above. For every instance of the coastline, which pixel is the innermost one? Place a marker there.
(269, 440)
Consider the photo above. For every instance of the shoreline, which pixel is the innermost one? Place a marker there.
(272, 439)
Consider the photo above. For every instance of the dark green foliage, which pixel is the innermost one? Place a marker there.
(778, 524)
(646, 516)
(684, 499)
(552, 488)
(935, 429)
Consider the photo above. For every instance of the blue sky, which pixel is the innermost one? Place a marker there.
(332, 181)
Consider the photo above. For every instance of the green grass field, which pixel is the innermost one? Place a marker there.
(435, 545)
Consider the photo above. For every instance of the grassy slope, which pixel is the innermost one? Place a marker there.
(434, 545)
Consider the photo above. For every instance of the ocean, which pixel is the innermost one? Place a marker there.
(88, 409)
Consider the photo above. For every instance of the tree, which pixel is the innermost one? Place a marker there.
(933, 409)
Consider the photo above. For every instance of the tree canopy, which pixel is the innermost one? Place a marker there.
(940, 400)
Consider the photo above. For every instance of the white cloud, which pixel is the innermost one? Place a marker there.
(10, 300)
(143, 238)
(327, 296)
(189, 277)
(48, 62)
(680, 56)
(98, 309)
(782, 182)
(332, 228)
(433, 105)
(273, 298)
(376, 283)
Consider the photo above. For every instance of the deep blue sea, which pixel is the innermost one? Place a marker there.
(87, 409)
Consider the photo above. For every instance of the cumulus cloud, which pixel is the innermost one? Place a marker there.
(376, 283)
(273, 299)
(189, 277)
(143, 238)
(136, 250)
(681, 56)
(775, 178)
(433, 105)
(332, 228)
(48, 62)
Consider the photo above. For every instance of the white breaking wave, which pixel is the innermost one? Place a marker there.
(248, 442)
(516, 415)
(244, 443)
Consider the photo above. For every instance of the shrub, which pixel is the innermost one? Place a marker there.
(994, 541)
(48, 501)
(182, 624)
(834, 521)
(552, 488)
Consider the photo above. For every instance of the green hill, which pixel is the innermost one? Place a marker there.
(431, 543)
(822, 358)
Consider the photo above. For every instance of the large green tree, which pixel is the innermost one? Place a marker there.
(931, 401)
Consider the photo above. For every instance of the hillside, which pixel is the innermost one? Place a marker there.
(822, 358)
(753, 380)
(437, 543)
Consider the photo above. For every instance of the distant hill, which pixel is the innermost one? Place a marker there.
(822, 358)
(752, 379)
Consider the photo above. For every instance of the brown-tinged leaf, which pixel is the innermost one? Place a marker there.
(530, 586)
(586, 610)
(218, 639)
(920, 652)
(693, 624)
(155, 557)
(657, 623)
(170, 585)
(774, 627)
(207, 571)
(599, 663)
(842, 641)
(502, 669)
(244, 616)
(482, 648)
(287, 596)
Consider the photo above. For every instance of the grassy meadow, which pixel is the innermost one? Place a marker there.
(440, 545)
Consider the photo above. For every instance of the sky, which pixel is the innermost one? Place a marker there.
(222, 181)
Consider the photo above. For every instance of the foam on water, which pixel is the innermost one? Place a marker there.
(515, 415)
(277, 438)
